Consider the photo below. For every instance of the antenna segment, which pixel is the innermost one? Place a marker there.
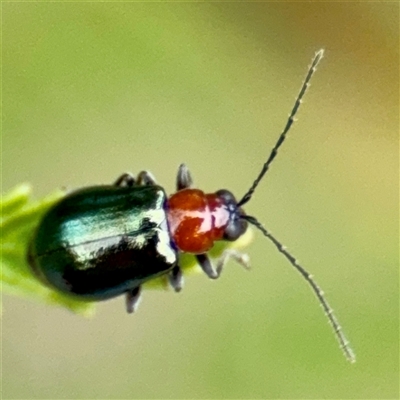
(343, 342)
(317, 58)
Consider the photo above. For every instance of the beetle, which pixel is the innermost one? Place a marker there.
(104, 241)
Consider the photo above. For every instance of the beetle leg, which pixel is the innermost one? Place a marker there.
(241, 258)
(176, 278)
(125, 180)
(184, 179)
(132, 299)
(146, 178)
(207, 267)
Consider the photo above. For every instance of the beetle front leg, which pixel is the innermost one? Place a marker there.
(184, 178)
(146, 178)
(132, 299)
(125, 180)
(241, 258)
(207, 267)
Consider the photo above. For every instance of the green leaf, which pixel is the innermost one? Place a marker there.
(19, 218)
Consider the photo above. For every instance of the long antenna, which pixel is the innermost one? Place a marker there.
(317, 58)
(344, 343)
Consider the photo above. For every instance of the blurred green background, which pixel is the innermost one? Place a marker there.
(91, 90)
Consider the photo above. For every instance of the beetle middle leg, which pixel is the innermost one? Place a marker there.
(175, 278)
(132, 299)
(214, 273)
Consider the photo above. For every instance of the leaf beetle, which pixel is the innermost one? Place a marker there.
(104, 241)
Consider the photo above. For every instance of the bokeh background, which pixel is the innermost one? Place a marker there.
(91, 90)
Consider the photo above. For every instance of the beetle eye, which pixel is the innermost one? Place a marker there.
(235, 229)
(237, 226)
(226, 196)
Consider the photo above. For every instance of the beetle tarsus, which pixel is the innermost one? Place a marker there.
(241, 258)
(184, 178)
(176, 278)
(207, 267)
(132, 299)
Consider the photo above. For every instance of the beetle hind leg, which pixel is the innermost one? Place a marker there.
(125, 180)
(146, 178)
(214, 273)
(132, 299)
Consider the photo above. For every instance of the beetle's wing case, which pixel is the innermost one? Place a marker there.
(100, 241)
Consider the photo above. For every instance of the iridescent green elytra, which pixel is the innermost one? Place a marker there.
(101, 241)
